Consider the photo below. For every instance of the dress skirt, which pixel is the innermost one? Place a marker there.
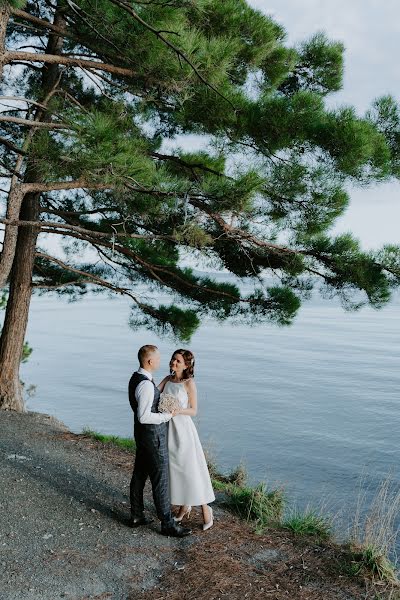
(190, 482)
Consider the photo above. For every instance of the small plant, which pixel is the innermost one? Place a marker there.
(371, 560)
(309, 523)
(236, 477)
(255, 504)
(26, 352)
(126, 443)
(262, 507)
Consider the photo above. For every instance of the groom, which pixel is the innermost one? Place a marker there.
(151, 429)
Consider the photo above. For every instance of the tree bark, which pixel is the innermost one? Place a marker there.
(17, 311)
(16, 319)
(4, 17)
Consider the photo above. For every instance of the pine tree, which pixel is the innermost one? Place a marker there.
(94, 92)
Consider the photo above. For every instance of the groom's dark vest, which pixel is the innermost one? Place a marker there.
(142, 430)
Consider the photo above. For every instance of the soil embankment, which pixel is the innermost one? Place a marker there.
(64, 508)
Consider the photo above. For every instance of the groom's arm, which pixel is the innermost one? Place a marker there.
(145, 398)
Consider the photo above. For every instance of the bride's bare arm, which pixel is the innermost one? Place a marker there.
(192, 394)
(162, 383)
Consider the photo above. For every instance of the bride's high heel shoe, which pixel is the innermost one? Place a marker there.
(186, 513)
(210, 522)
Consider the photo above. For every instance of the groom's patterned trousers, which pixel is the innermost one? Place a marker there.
(152, 461)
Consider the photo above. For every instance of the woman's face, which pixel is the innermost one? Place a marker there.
(177, 363)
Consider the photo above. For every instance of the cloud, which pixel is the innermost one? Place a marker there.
(369, 30)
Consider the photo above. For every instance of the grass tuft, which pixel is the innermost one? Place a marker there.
(264, 508)
(309, 523)
(370, 561)
(375, 534)
(254, 504)
(126, 443)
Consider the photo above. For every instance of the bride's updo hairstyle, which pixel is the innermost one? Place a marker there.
(188, 357)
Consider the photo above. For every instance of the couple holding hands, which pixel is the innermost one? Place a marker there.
(168, 449)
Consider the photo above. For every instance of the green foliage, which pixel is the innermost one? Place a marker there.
(277, 122)
(279, 305)
(236, 194)
(349, 269)
(309, 523)
(26, 352)
(192, 235)
(275, 162)
(305, 199)
(385, 116)
(354, 144)
(13, 3)
(104, 146)
(389, 259)
(256, 36)
(171, 321)
(319, 67)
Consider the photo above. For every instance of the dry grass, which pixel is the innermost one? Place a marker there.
(375, 533)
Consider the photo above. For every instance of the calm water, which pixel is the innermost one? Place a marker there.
(312, 407)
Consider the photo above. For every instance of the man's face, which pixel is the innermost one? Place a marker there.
(154, 360)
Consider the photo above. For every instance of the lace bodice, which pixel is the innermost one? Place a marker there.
(178, 390)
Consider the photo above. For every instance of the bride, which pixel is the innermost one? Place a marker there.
(190, 483)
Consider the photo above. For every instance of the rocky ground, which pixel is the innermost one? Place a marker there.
(63, 534)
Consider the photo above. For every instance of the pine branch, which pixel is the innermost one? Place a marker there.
(43, 24)
(154, 269)
(32, 123)
(240, 233)
(184, 163)
(68, 61)
(77, 213)
(40, 22)
(56, 287)
(94, 279)
(87, 232)
(26, 100)
(64, 185)
(79, 12)
(11, 146)
(181, 55)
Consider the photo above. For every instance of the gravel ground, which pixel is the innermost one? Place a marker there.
(64, 509)
(63, 518)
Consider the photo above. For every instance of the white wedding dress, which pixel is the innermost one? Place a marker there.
(190, 482)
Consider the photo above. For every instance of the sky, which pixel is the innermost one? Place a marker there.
(370, 32)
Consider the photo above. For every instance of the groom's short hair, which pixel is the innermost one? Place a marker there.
(145, 352)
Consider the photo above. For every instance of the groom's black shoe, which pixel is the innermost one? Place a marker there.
(138, 521)
(175, 531)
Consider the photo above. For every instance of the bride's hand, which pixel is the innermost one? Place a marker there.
(175, 412)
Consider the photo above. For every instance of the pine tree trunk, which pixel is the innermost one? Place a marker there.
(17, 311)
(4, 17)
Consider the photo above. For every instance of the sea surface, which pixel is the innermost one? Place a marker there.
(314, 407)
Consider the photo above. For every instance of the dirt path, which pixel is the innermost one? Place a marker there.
(64, 534)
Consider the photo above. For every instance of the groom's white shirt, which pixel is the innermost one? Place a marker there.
(145, 396)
